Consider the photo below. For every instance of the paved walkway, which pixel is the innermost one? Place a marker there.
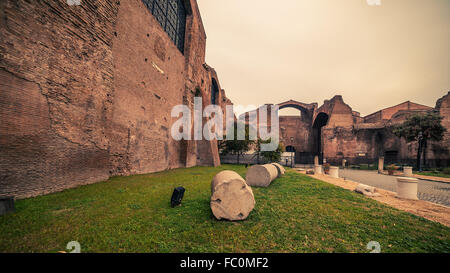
(435, 192)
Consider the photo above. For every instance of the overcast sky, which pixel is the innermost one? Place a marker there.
(269, 51)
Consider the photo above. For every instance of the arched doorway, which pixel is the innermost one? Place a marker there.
(214, 92)
(290, 149)
(295, 129)
(320, 121)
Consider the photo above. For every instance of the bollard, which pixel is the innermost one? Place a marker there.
(380, 164)
(334, 172)
(318, 169)
(408, 171)
(407, 188)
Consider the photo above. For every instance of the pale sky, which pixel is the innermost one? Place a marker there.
(310, 50)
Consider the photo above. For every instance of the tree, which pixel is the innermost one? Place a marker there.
(235, 146)
(421, 128)
(270, 156)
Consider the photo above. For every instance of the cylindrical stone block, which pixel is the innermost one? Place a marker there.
(318, 169)
(408, 171)
(407, 188)
(261, 175)
(380, 164)
(232, 199)
(334, 172)
(280, 169)
(361, 188)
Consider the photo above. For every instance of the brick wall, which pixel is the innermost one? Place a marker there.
(86, 92)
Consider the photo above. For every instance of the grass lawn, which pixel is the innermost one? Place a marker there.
(132, 214)
(436, 174)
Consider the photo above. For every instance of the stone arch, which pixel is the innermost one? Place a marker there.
(321, 120)
(305, 109)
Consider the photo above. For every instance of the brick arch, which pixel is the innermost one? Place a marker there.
(297, 105)
(307, 110)
(321, 119)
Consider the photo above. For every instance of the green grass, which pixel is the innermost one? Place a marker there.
(368, 167)
(434, 173)
(132, 214)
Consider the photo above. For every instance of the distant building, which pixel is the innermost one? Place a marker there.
(335, 132)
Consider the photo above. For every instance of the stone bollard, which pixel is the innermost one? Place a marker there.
(280, 169)
(316, 160)
(407, 188)
(408, 171)
(232, 199)
(380, 164)
(334, 172)
(261, 175)
(318, 169)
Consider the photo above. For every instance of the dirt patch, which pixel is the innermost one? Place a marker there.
(425, 209)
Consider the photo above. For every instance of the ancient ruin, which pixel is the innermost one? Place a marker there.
(262, 175)
(335, 132)
(231, 197)
(87, 91)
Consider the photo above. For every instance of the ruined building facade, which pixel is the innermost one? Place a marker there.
(334, 131)
(86, 91)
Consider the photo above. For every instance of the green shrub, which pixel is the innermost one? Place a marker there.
(392, 167)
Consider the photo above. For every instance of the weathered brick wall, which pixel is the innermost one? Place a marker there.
(86, 92)
(56, 94)
(363, 140)
(340, 114)
(367, 145)
(296, 132)
(149, 81)
(408, 106)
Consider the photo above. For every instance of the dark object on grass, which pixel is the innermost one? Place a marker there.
(7, 205)
(246, 166)
(177, 196)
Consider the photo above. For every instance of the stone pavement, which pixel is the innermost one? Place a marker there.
(436, 192)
